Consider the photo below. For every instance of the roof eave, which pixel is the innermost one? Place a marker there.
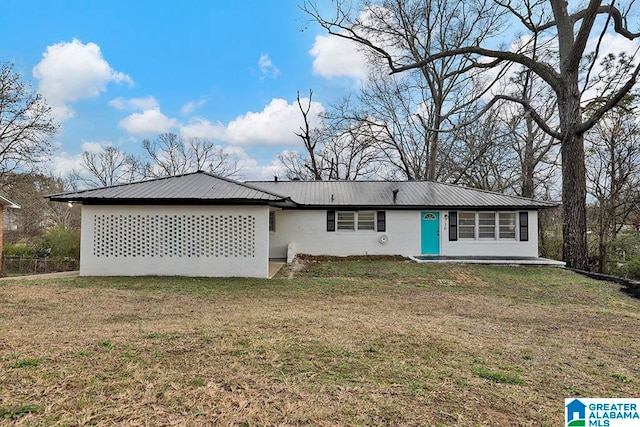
(427, 207)
(8, 203)
(158, 201)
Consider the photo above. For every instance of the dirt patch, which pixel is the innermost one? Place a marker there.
(461, 276)
(312, 259)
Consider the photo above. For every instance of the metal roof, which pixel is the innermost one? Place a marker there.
(410, 194)
(203, 187)
(7, 202)
(197, 187)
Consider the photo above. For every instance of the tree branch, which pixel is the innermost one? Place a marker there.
(611, 102)
(542, 69)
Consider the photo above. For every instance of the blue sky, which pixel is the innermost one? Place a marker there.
(117, 72)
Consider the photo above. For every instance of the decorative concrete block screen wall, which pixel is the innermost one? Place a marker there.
(174, 235)
(175, 240)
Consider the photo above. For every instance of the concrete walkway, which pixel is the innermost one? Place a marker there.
(489, 260)
(274, 267)
(60, 275)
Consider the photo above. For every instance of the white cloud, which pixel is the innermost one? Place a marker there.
(274, 125)
(146, 103)
(63, 163)
(93, 147)
(612, 44)
(149, 122)
(190, 107)
(337, 57)
(251, 169)
(199, 127)
(615, 43)
(70, 71)
(267, 67)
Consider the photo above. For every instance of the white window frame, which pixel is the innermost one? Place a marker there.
(366, 224)
(272, 221)
(485, 227)
(342, 224)
(497, 232)
(514, 225)
(462, 227)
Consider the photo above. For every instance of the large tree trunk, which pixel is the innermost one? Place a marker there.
(574, 180)
(603, 231)
(574, 193)
(433, 146)
(528, 161)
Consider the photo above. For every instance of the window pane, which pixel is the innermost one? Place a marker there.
(466, 218)
(466, 225)
(366, 220)
(346, 220)
(507, 221)
(272, 221)
(486, 225)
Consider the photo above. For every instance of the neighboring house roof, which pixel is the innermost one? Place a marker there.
(198, 187)
(410, 194)
(7, 202)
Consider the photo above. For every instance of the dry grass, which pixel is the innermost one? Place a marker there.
(357, 342)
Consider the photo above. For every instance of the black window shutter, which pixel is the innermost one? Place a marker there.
(524, 226)
(382, 221)
(453, 226)
(331, 220)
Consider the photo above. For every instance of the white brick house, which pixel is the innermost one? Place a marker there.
(199, 224)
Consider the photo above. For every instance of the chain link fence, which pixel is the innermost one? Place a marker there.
(26, 266)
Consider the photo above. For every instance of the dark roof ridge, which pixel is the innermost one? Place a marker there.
(330, 180)
(229, 180)
(243, 184)
(124, 184)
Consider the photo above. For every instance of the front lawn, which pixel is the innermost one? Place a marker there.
(350, 342)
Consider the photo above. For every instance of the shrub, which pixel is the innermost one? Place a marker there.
(18, 250)
(633, 269)
(63, 243)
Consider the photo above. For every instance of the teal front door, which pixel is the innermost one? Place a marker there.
(430, 233)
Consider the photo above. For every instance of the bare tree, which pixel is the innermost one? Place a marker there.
(64, 215)
(351, 151)
(310, 138)
(535, 151)
(295, 165)
(170, 155)
(37, 214)
(569, 75)
(109, 166)
(419, 107)
(341, 147)
(613, 175)
(480, 156)
(26, 125)
(391, 108)
(206, 156)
